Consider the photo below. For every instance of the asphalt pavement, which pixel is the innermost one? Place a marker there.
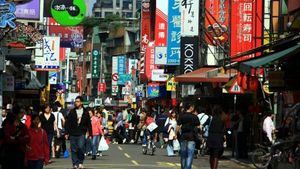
(129, 156)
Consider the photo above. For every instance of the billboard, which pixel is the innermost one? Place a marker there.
(246, 27)
(160, 55)
(70, 36)
(189, 54)
(49, 60)
(216, 21)
(31, 11)
(190, 18)
(161, 23)
(174, 28)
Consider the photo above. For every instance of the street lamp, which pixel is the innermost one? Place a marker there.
(103, 35)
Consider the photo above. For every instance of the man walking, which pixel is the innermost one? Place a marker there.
(78, 124)
(187, 125)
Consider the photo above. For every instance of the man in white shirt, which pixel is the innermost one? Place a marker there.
(268, 126)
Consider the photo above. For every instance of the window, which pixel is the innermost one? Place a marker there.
(127, 14)
(127, 4)
(118, 3)
(97, 14)
(107, 4)
(108, 13)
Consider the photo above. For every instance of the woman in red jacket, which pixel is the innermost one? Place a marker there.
(38, 148)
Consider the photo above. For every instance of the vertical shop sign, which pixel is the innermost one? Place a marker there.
(216, 21)
(95, 64)
(50, 58)
(174, 27)
(114, 81)
(149, 60)
(121, 68)
(246, 27)
(161, 22)
(145, 32)
(189, 17)
(189, 54)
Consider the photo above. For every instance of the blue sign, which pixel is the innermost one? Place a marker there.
(174, 28)
(153, 90)
(121, 65)
(7, 14)
(124, 78)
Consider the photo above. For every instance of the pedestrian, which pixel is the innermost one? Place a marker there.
(160, 121)
(63, 118)
(215, 140)
(78, 124)
(48, 123)
(59, 132)
(16, 138)
(170, 128)
(187, 124)
(268, 129)
(97, 132)
(38, 149)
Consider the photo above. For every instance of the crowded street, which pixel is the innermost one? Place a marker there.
(131, 157)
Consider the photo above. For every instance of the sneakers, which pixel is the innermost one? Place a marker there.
(131, 141)
(80, 166)
(100, 155)
(75, 167)
(124, 140)
(94, 157)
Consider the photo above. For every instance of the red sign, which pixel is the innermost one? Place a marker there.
(115, 77)
(246, 27)
(161, 23)
(19, 45)
(216, 21)
(235, 88)
(101, 87)
(149, 65)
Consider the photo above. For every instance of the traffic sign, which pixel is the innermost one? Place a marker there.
(115, 77)
(235, 88)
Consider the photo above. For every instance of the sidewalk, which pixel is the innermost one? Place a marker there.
(243, 162)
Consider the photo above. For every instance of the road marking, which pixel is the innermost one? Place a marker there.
(178, 164)
(120, 148)
(170, 164)
(134, 162)
(127, 155)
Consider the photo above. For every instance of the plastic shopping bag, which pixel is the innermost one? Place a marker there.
(103, 146)
(152, 126)
(176, 145)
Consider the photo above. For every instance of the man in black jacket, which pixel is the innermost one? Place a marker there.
(78, 124)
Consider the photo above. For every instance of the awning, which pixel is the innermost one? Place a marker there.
(203, 75)
(261, 61)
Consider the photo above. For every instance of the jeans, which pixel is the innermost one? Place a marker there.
(50, 138)
(95, 144)
(77, 149)
(170, 148)
(35, 164)
(88, 145)
(187, 149)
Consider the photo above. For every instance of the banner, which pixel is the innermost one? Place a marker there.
(190, 17)
(246, 27)
(149, 60)
(189, 54)
(30, 11)
(174, 28)
(70, 36)
(145, 32)
(95, 63)
(161, 23)
(50, 59)
(153, 90)
(216, 21)
(160, 55)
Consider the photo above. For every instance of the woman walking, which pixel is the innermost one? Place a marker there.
(97, 132)
(170, 129)
(215, 140)
(48, 124)
(38, 148)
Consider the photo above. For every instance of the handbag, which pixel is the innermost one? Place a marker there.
(103, 146)
(59, 132)
(176, 145)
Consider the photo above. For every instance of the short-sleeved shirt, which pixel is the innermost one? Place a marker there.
(188, 123)
(47, 125)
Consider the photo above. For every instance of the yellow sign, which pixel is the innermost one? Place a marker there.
(171, 85)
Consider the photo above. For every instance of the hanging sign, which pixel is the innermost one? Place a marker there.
(68, 13)
(95, 64)
(189, 54)
(171, 85)
(190, 17)
(236, 88)
(161, 22)
(53, 77)
(160, 55)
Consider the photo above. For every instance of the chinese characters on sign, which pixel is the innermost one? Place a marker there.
(190, 17)
(161, 23)
(7, 14)
(174, 34)
(150, 57)
(50, 58)
(95, 64)
(246, 26)
(121, 67)
(29, 11)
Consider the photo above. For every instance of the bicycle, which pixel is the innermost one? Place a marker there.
(149, 146)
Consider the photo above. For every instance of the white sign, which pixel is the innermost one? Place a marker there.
(132, 65)
(50, 58)
(52, 77)
(98, 102)
(235, 88)
(190, 17)
(160, 55)
(159, 76)
(114, 90)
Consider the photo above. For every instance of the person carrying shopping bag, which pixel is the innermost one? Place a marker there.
(170, 128)
(97, 132)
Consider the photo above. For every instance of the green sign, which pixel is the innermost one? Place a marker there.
(68, 12)
(95, 64)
